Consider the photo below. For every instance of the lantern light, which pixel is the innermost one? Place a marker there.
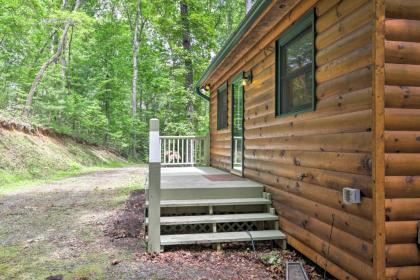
(246, 77)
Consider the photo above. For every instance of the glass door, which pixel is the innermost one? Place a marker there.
(237, 124)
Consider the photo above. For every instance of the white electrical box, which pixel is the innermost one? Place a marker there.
(351, 196)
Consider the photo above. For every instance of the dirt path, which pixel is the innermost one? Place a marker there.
(88, 227)
(59, 228)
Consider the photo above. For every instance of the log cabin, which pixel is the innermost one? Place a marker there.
(309, 97)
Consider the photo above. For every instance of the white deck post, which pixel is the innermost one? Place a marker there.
(153, 243)
(207, 149)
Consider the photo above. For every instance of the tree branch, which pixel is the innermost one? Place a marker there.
(46, 64)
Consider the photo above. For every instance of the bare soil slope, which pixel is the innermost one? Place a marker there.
(28, 152)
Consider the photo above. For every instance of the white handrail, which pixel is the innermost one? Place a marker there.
(185, 150)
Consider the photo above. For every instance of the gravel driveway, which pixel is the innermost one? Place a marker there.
(90, 227)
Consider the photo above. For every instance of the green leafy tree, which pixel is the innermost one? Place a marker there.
(87, 89)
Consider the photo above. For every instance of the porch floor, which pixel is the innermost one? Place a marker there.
(200, 177)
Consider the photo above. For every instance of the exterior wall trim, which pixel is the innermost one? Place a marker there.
(378, 125)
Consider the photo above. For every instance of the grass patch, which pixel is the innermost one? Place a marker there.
(18, 262)
(37, 262)
(94, 269)
(27, 257)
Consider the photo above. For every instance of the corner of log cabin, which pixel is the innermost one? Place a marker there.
(364, 133)
(378, 128)
(402, 138)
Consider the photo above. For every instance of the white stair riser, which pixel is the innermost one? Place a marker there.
(210, 219)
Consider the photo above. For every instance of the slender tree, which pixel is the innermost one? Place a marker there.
(138, 29)
(136, 45)
(186, 44)
(99, 109)
(248, 5)
(63, 57)
(52, 59)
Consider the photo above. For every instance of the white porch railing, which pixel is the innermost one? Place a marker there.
(185, 150)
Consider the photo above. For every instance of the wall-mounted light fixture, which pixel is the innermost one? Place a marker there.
(205, 88)
(246, 77)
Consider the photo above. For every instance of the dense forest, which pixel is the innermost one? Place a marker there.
(100, 69)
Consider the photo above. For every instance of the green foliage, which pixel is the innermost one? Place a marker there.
(272, 258)
(90, 97)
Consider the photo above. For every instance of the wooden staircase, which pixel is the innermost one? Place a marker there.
(217, 214)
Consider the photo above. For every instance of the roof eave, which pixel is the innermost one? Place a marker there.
(236, 36)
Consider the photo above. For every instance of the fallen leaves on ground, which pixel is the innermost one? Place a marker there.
(234, 262)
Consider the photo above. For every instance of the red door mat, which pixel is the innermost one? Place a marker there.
(223, 177)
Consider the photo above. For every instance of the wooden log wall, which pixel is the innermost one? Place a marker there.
(220, 140)
(402, 138)
(305, 160)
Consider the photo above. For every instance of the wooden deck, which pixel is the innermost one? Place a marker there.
(207, 205)
(200, 177)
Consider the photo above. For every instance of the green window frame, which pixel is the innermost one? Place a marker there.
(222, 107)
(296, 84)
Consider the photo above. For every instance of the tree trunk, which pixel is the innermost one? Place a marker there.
(63, 69)
(229, 19)
(136, 45)
(68, 74)
(248, 5)
(108, 90)
(44, 67)
(186, 44)
(63, 55)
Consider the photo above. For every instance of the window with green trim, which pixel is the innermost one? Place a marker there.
(295, 67)
(222, 107)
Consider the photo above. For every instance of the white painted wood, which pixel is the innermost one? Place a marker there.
(182, 137)
(220, 237)
(154, 190)
(164, 150)
(185, 150)
(214, 202)
(209, 219)
(154, 146)
(182, 151)
(192, 151)
(177, 150)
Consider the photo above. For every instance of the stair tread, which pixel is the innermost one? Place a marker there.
(216, 185)
(220, 237)
(214, 202)
(208, 219)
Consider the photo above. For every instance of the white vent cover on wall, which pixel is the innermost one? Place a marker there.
(351, 196)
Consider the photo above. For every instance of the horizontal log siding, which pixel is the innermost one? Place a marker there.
(305, 160)
(402, 138)
(220, 140)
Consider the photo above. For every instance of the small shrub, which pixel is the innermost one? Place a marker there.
(273, 258)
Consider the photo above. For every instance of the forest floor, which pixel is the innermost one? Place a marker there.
(90, 227)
